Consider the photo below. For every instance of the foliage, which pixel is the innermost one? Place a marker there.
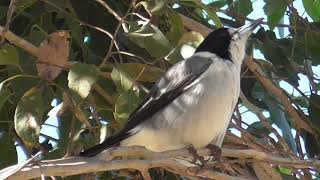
(101, 69)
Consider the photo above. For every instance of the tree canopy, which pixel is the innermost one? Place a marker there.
(72, 71)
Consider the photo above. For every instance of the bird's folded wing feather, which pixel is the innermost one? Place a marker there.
(175, 81)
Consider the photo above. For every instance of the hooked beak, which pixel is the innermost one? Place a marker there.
(247, 29)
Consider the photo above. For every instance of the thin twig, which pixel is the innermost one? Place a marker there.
(109, 9)
(10, 12)
(82, 23)
(115, 34)
(71, 137)
(103, 93)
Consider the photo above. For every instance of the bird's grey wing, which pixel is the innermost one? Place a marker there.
(175, 81)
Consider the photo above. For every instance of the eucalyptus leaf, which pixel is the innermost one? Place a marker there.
(155, 6)
(275, 10)
(313, 8)
(8, 153)
(20, 4)
(212, 14)
(141, 72)
(305, 40)
(4, 96)
(258, 129)
(285, 170)
(28, 116)
(242, 7)
(176, 27)
(121, 79)
(268, 44)
(9, 55)
(3, 11)
(218, 3)
(125, 75)
(81, 77)
(125, 104)
(314, 110)
(151, 39)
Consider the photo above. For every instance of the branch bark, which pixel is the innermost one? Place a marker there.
(17, 41)
(298, 118)
(139, 158)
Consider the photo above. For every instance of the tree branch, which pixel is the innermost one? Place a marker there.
(10, 12)
(139, 158)
(195, 26)
(298, 118)
(17, 41)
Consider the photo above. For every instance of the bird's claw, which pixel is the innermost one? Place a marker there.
(196, 156)
(215, 152)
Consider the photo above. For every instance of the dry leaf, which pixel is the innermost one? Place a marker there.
(53, 55)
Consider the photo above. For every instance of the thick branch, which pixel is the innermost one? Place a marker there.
(140, 158)
(298, 118)
(195, 26)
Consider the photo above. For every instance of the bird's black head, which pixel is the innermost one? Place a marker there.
(228, 43)
(217, 42)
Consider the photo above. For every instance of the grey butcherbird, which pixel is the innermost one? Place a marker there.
(193, 102)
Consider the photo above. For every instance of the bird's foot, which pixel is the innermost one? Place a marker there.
(215, 152)
(196, 156)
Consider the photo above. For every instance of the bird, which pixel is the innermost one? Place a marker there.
(192, 103)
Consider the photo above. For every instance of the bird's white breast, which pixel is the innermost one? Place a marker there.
(197, 117)
(218, 93)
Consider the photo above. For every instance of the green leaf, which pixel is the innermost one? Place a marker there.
(8, 153)
(306, 40)
(211, 13)
(4, 96)
(81, 77)
(218, 3)
(28, 116)
(285, 170)
(124, 75)
(24, 3)
(121, 79)
(176, 27)
(9, 55)
(275, 10)
(188, 42)
(151, 39)
(314, 110)
(274, 53)
(141, 72)
(301, 101)
(36, 36)
(243, 7)
(3, 12)
(258, 129)
(155, 6)
(125, 104)
(313, 8)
